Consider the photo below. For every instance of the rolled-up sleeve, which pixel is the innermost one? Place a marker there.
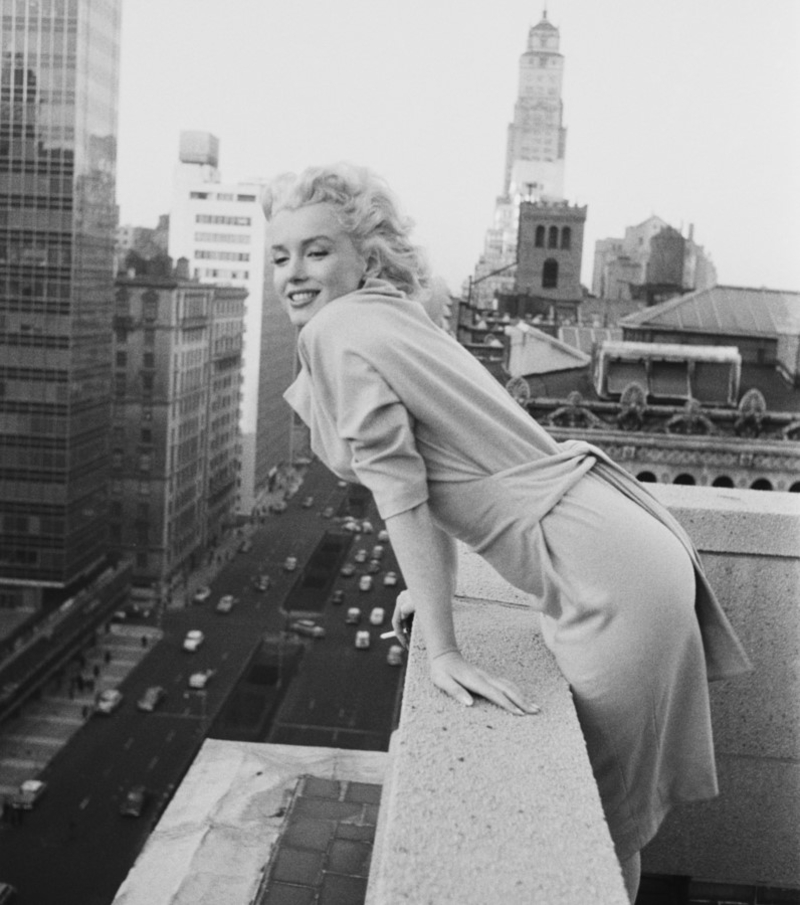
(379, 430)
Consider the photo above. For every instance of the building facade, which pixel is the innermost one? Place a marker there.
(535, 157)
(219, 228)
(58, 128)
(174, 465)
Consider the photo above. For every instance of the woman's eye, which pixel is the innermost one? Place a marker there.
(318, 253)
(280, 260)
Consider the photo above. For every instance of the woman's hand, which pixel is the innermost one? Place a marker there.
(401, 618)
(454, 675)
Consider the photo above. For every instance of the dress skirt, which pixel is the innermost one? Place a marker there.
(620, 621)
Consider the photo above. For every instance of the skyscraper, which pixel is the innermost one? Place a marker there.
(58, 127)
(535, 154)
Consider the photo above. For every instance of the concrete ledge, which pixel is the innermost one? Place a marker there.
(215, 838)
(481, 806)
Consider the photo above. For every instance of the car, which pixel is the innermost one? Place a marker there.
(193, 640)
(28, 794)
(347, 570)
(201, 594)
(134, 802)
(225, 604)
(308, 502)
(365, 583)
(337, 597)
(362, 640)
(360, 555)
(246, 545)
(327, 512)
(377, 551)
(383, 536)
(341, 483)
(290, 563)
(353, 615)
(152, 697)
(394, 656)
(108, 701)
(199, 680)
(279, 506)
(377, 615)
(373, 566)
(366, 527)
(262, 582)
(390, 579)
(307, 627)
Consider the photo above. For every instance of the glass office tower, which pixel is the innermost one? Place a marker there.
(58, 126)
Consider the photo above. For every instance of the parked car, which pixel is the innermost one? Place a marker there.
(394, 656)
(362, 640)
(225, 604)
(383, 536)
(390, 579)
(366, 527)
(200, 679)
(201, 594)
(28, 794)
(360, 555)
(308, 502)
(108, 701)
(347, 570)
(134, 802)
(262, 582)
(377, 551)
(353, 615)
(307, 627)
(327, 512)
(246, 545)
(152, 697)
(290, 563)
(193, 640)
(337, 597)
(365, 583)
(279, 506)
(373, 567)
(377, 615)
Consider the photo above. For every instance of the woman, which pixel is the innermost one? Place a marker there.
(395, 403)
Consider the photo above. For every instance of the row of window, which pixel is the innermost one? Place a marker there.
(552, 237)
(222, 220)
(647, 477)
(223, 255)
(221, 196)
(237, 238)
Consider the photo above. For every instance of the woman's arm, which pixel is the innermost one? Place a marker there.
(427, 559)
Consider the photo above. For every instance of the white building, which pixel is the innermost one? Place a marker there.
(535, 154)
(220, 229)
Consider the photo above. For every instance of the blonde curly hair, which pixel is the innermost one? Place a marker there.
(367, 210)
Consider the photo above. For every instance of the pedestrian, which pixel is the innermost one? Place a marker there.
(395, 403)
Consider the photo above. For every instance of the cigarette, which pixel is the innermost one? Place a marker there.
(388, 635)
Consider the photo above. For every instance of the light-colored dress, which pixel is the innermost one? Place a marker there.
(396, 404)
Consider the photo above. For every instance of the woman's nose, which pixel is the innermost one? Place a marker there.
(297, 271)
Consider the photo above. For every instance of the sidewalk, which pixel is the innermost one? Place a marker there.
(29, 743)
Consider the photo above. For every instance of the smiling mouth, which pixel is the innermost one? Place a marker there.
(299, 299)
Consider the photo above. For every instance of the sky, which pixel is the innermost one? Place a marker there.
(688, 109)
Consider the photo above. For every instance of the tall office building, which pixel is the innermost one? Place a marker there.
(535, 154)
(58, 130)
(220, 229)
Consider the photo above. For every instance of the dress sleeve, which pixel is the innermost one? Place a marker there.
(379, 431)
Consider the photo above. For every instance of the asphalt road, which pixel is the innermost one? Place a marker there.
(74, 847)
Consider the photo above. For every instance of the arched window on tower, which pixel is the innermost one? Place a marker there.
(539, 242)
(550, 274)
(552, 237)
(566, 238)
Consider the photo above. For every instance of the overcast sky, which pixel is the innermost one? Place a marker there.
(689, 109)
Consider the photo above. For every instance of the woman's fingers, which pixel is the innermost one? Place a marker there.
(456, 677)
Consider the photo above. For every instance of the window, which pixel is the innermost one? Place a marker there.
(552, 237)
(119, 385)
(566, 238)
(149, 336)
(146, 435)
(219, 219)
(148, 360)
(539, 242)
(147, 383)
(121, 359)
(550, 274)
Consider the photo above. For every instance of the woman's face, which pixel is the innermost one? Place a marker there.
(315, 260)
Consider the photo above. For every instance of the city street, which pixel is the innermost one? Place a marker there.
(268, 683)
